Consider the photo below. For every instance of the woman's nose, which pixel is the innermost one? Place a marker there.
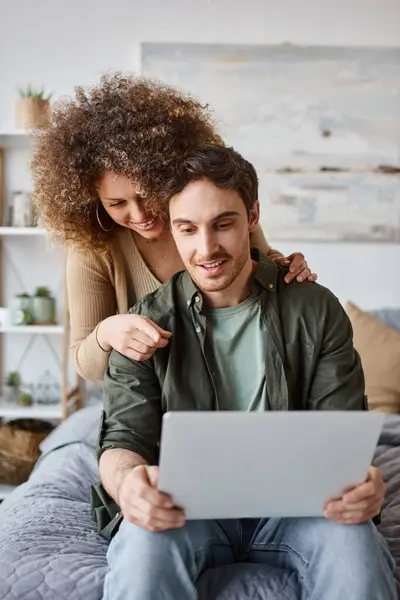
(136, 213)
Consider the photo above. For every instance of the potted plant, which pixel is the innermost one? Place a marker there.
(43, 307)
(11, 386)
(21, 309)
(32, 108)
(25, 399)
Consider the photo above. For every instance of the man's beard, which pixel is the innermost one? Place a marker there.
(224, 280)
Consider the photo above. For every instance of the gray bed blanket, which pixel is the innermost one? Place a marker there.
(49, 548)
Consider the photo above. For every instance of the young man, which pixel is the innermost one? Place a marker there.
(241, 340)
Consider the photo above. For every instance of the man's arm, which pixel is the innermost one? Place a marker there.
(339, 384)
(338, 381)
(130, 422)
(133, 485)
(132, 415)
(114, 465)
(128, 444)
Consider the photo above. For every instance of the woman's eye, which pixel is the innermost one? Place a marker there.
(116, 204)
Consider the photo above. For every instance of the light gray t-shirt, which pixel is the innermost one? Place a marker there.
(236, 341)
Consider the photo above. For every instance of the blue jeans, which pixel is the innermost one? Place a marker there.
(333, 561)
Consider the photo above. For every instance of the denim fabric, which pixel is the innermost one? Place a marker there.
(333, 562)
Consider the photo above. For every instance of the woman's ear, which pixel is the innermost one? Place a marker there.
(254, 217)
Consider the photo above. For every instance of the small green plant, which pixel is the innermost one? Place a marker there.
(31, 92)
(23, 295)
(13, 379)
(25, 399)
(42, 292)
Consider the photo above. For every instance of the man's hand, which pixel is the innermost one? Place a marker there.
(361, 503)
(141, 503)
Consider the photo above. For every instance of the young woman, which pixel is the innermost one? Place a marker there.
(98, 171)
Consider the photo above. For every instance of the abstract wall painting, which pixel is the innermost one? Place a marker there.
(320, 124)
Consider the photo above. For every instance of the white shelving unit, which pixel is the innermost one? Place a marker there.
(52, 412)
(11, 174)
(12, 133)
(8, 231)
(15, 146)
(34, 329)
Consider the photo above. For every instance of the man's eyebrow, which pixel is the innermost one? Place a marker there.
(178, 221)
(223, 215)
(227, 213)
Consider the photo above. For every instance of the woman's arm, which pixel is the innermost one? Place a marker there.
(91, 299)
(258, 241)
(298, 267)
(95, 327)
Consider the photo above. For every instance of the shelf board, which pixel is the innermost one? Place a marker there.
(15, 133)
(34, 329)
(5, 490)
(22, 231)
(36, 411)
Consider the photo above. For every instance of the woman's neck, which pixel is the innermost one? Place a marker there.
(160, 255)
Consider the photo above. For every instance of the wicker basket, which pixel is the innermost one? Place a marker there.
(19, 448)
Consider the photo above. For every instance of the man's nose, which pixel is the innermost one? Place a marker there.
(208, 244)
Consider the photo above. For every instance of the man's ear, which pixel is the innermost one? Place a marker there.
(254, 217)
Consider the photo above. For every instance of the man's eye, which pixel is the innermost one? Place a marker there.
(187, 230)
(224, 225)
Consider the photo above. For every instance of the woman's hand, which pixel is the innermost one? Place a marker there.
(298, 268)
(134, 336)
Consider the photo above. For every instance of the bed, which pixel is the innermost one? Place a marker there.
(49, 548)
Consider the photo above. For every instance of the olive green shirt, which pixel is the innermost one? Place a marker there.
(310, 362)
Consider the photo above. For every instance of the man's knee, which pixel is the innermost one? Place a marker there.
(140, 559)
(134, 542)
(352, 538)
(357, 548)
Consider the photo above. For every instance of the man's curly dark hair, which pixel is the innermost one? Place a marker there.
(128, 125)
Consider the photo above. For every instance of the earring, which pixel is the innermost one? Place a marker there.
(98, 219)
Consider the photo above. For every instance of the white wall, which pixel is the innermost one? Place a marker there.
(61, 43)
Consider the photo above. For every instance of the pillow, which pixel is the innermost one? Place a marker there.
(388, 316)
(379, 348)
(81, 426)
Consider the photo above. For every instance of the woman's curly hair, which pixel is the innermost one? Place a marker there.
(128, 125)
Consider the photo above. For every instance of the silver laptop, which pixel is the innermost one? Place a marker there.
(228, 464)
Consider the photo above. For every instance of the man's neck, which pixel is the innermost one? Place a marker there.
(239, 290)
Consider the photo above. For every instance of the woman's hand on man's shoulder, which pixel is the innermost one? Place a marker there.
(135, 336)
